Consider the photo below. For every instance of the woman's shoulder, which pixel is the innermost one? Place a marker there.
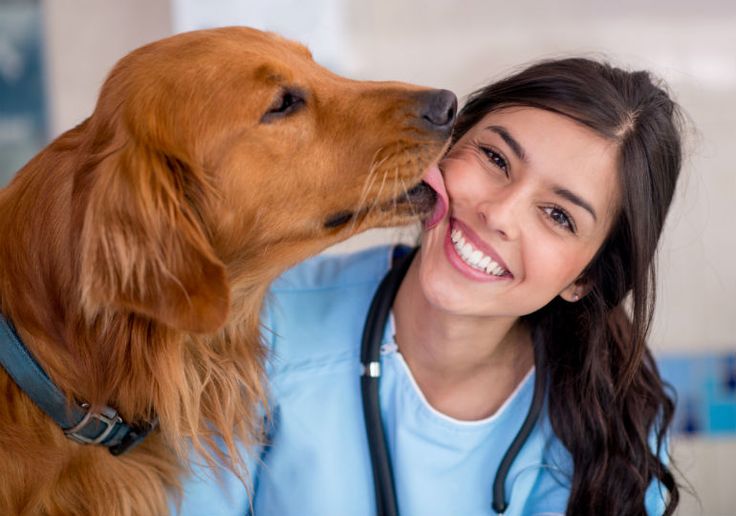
(330, 271)
(315, 312)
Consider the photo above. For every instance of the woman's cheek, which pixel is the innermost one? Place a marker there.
(547, 262)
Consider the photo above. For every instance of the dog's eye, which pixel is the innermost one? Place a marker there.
(288, 102)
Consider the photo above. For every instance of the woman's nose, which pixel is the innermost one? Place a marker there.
(501, 214)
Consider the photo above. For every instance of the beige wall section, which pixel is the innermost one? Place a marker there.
(84, 39)
(705, 466)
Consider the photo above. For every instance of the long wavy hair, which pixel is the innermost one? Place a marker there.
(607, 402)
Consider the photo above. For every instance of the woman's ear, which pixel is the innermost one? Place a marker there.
(576, 291)
(143, 248)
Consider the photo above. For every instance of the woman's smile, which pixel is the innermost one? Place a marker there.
(472, 256)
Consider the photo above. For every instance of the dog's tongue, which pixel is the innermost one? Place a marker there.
(433, 177)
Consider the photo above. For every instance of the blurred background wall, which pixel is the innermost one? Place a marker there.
(54, 55)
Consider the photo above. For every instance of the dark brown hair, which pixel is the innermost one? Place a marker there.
(607, 402)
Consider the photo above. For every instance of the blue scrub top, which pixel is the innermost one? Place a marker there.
(317, 461)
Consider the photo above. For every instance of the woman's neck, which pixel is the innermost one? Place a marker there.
(466, 366)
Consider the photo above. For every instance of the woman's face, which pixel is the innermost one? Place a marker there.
(532, 195)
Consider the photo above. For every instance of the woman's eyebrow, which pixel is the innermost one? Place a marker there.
(510, 140)
(575, 199)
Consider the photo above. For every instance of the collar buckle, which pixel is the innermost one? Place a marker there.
(109, 421)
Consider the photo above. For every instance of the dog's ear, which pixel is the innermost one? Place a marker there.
(143, 245)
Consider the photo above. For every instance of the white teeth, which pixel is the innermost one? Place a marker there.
(475, 257)
(493, 267)
(466, 251)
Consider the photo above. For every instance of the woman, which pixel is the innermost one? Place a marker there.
(557, 187)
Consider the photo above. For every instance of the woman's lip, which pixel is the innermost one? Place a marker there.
(476, 242)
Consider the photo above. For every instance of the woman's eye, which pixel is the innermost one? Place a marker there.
(560, 217)
(497, 159)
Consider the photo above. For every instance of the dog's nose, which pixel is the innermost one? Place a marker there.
(439, 109)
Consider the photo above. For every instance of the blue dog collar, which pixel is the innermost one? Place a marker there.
(78, 422)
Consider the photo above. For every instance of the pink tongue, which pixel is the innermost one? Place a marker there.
(433, 177)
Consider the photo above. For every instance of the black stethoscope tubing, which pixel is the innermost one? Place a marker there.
(383, 478)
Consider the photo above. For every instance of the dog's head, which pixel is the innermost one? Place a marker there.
(227, 155)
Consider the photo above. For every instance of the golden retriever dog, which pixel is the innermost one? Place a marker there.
(136, 250)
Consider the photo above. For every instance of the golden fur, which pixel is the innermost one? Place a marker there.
(136, 249)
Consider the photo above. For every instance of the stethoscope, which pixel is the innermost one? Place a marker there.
(383, 478)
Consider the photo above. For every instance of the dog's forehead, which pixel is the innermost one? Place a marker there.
(271, 58)
(294, 46)
(279, 57)
(268, 44)
(229, 43)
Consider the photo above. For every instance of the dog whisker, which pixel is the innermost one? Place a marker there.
(394, 189)
(414, 212)
(367, 185)
(376, 197)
